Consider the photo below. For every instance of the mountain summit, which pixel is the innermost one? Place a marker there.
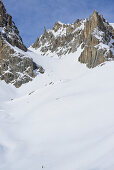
(95, 36)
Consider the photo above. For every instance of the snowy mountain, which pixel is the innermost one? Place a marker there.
(95, 36)
(62, 119)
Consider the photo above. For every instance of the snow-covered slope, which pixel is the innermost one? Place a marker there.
(62, 120)
(112, 24)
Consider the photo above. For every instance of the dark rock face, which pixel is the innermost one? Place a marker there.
(94, 35)
(15, 66)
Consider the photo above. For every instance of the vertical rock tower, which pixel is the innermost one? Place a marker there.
(97, 41)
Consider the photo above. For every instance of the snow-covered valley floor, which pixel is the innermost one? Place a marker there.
(62, 120)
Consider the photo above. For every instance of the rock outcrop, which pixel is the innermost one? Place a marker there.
(62, 39)
(15, 66)
(97, 41)
(95, 36)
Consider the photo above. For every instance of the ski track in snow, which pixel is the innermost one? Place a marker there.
(62, 120)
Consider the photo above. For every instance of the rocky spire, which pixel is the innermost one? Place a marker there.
(45, 30)
(97, 33)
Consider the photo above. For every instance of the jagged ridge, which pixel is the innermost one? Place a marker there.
(95, 36)
(62, 39)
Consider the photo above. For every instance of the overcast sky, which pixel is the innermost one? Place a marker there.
(31, 16)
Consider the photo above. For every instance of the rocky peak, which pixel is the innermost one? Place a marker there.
(94, 35)
(45, 32)
(57, 26)
(62, 39)
(16, 66)
(95, 18)
(97, 41)
(9, 30)
(94, 21)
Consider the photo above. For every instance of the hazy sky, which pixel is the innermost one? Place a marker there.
(31, 16)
